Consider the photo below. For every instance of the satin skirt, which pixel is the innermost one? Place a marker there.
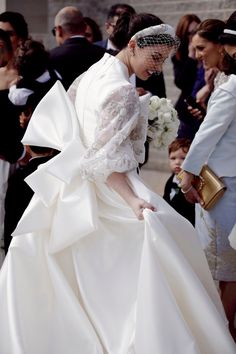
(84, 276)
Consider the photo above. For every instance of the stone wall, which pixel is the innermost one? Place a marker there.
(40, 14)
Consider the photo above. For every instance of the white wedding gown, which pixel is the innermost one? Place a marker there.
(83, 275)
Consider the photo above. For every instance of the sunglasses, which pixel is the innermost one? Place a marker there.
(54, 31)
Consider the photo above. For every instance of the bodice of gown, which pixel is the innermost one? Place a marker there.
(101, 96)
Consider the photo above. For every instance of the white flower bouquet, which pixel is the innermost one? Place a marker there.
(162, 122)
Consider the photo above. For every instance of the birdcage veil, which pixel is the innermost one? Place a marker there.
(157, 42)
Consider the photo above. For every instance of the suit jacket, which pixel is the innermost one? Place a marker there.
(102, 44)
(215, 142)
(178, 201)
(74, 57)
(18, 197)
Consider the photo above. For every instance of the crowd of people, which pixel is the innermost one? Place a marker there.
(96, 262)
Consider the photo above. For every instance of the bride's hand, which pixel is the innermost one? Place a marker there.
(138, 205)
(120, 183)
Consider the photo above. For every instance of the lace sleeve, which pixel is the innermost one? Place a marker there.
(113, 149)
(139, 134)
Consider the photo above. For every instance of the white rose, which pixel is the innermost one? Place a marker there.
(155, 102)
(164, 122)
(152, 114)
(161, 118)
(167, 117)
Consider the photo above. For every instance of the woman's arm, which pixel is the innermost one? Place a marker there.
(119, 182)
(190, 193)
(220, 114)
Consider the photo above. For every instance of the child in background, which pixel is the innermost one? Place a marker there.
(172, 194)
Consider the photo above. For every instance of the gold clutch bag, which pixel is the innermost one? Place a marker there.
(209, 187)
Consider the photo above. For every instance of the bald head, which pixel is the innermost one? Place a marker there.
(70, 19)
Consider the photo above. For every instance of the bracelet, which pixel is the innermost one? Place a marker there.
(188, 190)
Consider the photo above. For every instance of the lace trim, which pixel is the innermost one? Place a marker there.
(220, 79)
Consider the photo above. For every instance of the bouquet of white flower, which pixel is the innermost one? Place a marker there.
(162, 122)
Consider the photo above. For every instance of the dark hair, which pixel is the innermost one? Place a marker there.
(183, 34)
(31, 59)
(228, 65)
(211, 29)
(127, 25)
(119, 9)
(17, 21)
(97, 33)
(228, 38)
(4, 36)
(179, 143)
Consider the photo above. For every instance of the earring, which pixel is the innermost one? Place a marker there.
(131, 50)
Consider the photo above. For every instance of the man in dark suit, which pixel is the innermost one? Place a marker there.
(74, 54)
(112, 16)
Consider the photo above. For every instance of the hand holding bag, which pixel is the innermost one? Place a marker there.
(208, 185)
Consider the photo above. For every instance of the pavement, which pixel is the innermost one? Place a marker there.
(155, 179)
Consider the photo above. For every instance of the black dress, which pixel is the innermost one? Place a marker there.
(11, 133)
(185, 75)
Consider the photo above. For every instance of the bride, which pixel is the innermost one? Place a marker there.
(99, 264)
